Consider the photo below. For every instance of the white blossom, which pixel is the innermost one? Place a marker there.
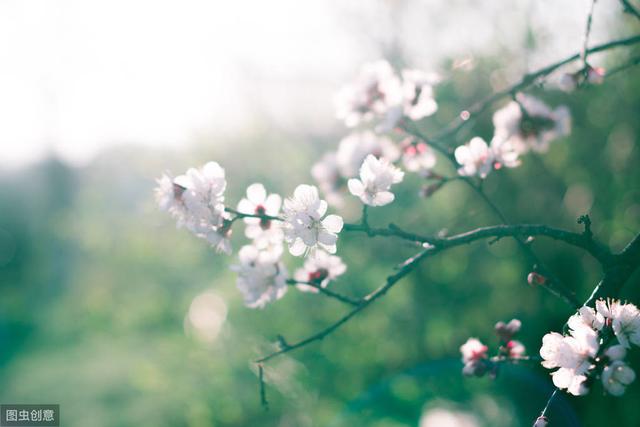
(586, 316)
(262, 278)
(616, 352)
(475, 158)
(376, 178)
(616, 377)
(204, 194)
(373, 94)
(473, 350)
(168, 195)
(417, 92)
(218, 237)
(418, 157)
(535, 129)
(354, 148)
(573, 355)
(306, 226)
(196, 200)
(320, 269)
(266, 233)
(504, 154)
(623, 318)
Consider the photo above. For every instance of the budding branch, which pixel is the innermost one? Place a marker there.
(617, 267)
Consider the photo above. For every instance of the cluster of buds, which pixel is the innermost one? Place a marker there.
(474, 353)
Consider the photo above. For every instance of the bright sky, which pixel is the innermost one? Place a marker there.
(80, 75)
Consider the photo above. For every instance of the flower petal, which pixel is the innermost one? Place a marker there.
(297, 248)
(256, 193)
(333, 223)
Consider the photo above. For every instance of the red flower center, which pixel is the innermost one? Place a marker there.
(319, 275)
(265, 223)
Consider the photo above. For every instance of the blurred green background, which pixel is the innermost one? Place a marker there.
(96, 284)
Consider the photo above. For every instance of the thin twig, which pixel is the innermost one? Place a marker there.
(585, 44)
(455, 126)
(263, 393)
(553, 284)
(546, 407)
(343, 298)
(629, 8)
(408, 266)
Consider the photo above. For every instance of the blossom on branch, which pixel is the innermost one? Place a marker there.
(616, 377)
(319, 269)
(265, 233)
(204, 195)
(529, 124)
(376, 178)
(474, 357)
(168, 195)
(624, 320)
(569, 82)
(417, 92)
(475, 158)
(196, 201)
(306, 227)
(572, 354)
(506, 331)
(374, 92)
(515, 349)
(262, 278)
(418, 157)
(218, 237)
(588, 351)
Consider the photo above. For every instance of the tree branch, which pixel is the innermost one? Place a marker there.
(594, 248)
(630, 9)
(343, 298)
(585, 44)
(526, 81)
(408, 266)
(618, 272)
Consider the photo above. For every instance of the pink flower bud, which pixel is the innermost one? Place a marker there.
(536, 279)
(595, 75)
(506, 331)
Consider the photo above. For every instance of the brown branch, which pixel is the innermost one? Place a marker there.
(630, 9)
(407, 267)
(596, 249)
(263, 392)
(526, 81)
(553, 284)
(585, 44)
(437, 245)
(618, 272)
(343, 298)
